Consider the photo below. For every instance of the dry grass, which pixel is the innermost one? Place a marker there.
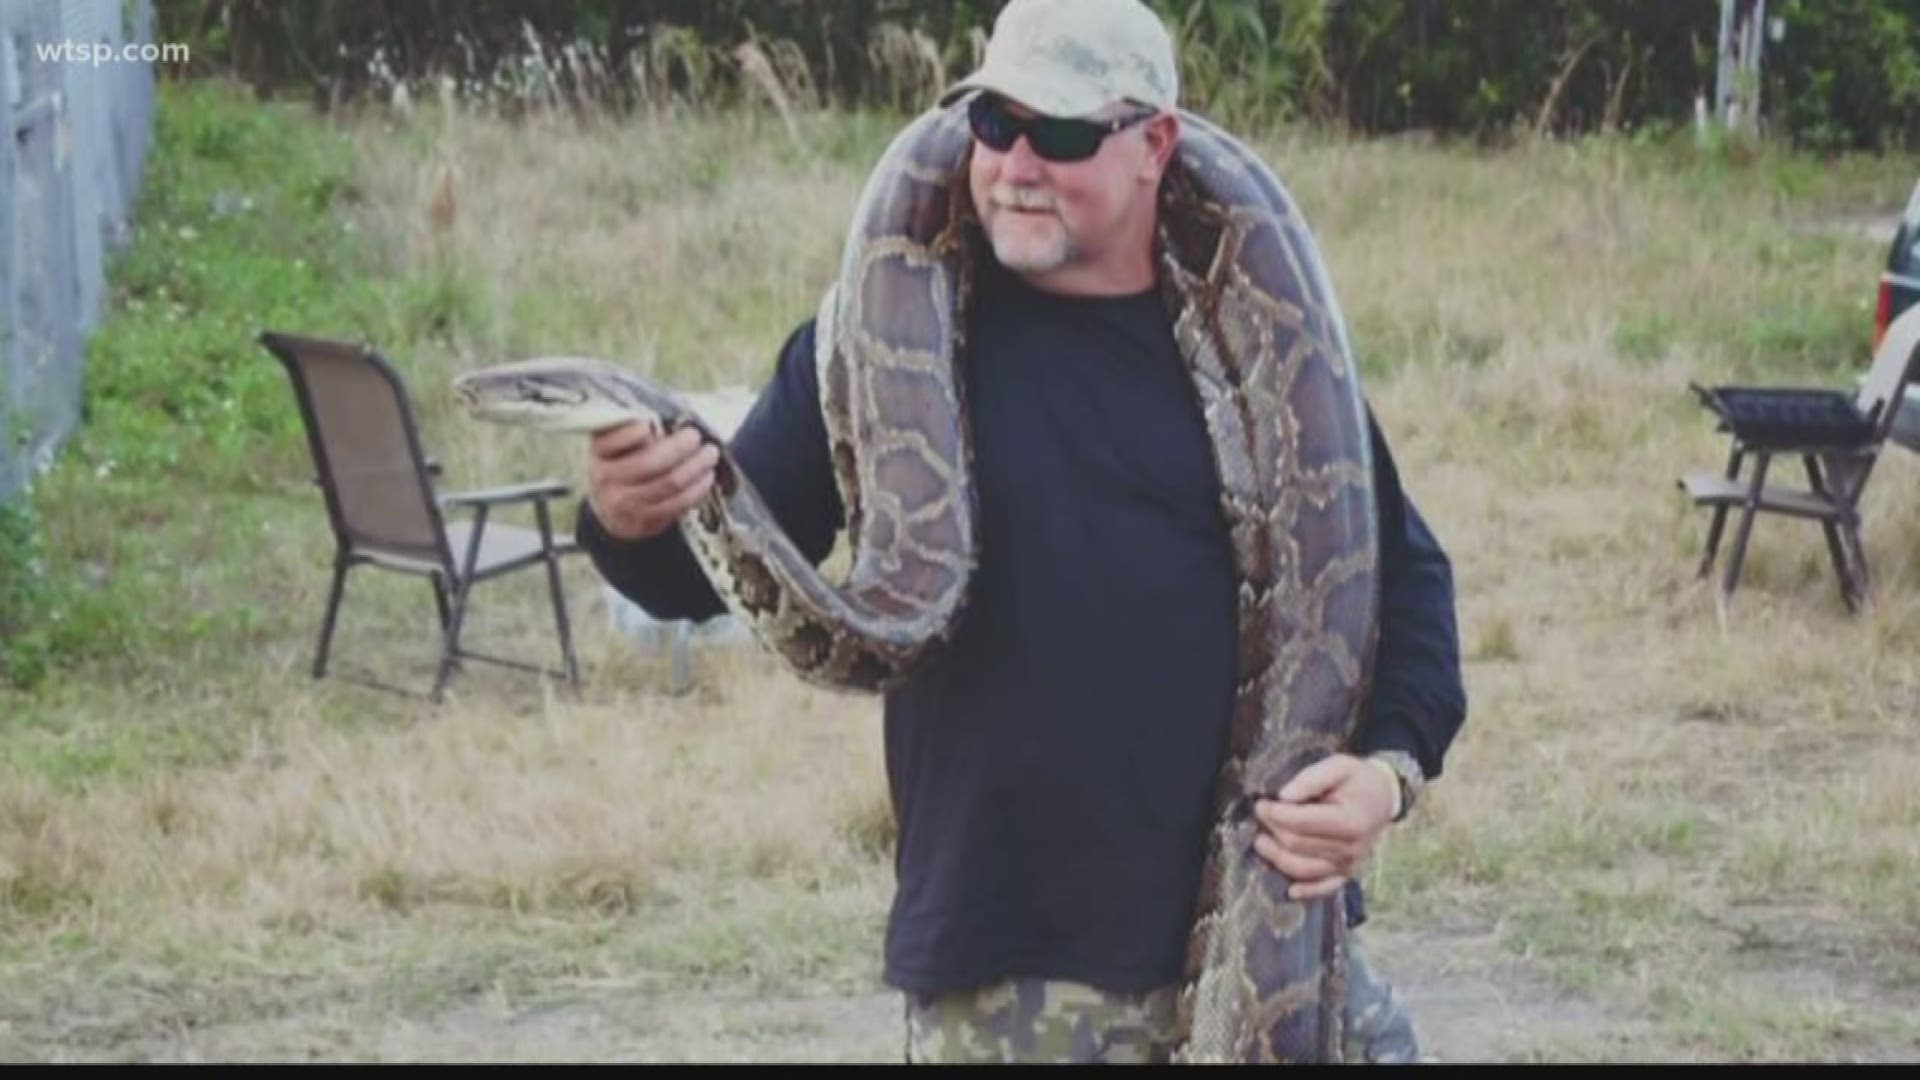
(536, 807)
(1706, 819)
(371, 857)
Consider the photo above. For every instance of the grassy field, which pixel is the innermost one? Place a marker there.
(1667, 831)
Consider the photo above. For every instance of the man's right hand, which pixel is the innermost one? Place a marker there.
(639, 481)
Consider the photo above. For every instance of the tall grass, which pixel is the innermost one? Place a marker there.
(1844, 75)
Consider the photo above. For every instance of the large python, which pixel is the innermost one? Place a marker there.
(1266, 346)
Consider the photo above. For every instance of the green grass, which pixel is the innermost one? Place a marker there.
(237, 231)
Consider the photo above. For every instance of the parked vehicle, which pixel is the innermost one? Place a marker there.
(1900, 290)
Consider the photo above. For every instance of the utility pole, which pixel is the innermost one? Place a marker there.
(1736, 101)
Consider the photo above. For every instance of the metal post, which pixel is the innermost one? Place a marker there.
(1743, 37)
(681, 680)
(1723, 85)
(1757, 39)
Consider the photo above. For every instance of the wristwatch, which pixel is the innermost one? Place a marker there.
(1406, 774)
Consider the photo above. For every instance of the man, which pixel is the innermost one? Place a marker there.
(1052, 767)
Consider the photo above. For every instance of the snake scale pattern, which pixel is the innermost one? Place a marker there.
(1266, 347)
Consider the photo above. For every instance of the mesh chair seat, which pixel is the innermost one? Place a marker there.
(502, 548)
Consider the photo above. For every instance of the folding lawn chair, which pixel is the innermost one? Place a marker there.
(385, 511)
(1837, 438)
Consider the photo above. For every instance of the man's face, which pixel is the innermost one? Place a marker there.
(1046, 216)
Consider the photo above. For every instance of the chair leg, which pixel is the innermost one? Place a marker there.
(440, 602)
(462, 589)
(1847, 480)
(1719, 524)
(334, 593)
(450, 638)
(1832, 529)
(1837, 556)
(1749, 510)
(559, 594)
(1862, 581)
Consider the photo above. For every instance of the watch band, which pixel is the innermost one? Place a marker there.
(1407, 773)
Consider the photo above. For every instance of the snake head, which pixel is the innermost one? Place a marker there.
(550, 394)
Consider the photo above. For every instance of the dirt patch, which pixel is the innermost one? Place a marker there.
(1864, 225)
(1471, 1001)
(612, 1026)
(1471, 997)
(710, 1027)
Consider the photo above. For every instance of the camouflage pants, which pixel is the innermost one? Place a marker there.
(1037, 1020)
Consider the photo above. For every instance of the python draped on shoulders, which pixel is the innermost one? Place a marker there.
(1264, 341)
(1256, 320)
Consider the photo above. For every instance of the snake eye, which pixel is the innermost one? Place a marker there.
(548, 394)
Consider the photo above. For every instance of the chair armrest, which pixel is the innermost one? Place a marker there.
(539, 489)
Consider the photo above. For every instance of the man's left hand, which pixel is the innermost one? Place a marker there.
(1325, 823)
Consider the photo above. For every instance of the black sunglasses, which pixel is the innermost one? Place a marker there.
(1052, 138)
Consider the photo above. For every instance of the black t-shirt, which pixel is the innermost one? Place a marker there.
(1052, 768)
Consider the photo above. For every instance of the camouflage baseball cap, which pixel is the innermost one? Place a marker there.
(1071, 58)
